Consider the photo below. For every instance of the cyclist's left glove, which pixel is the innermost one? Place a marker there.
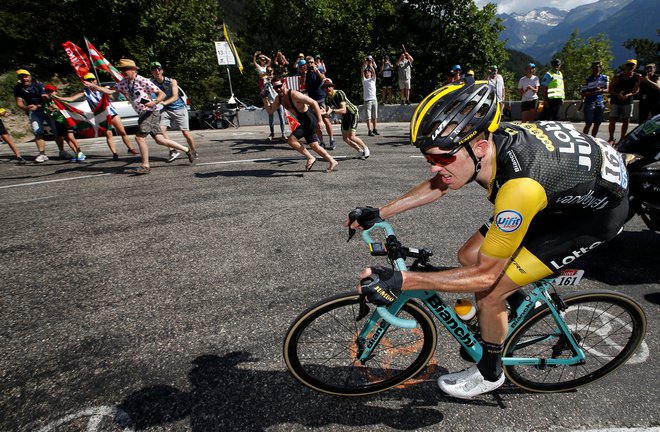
(383, 286)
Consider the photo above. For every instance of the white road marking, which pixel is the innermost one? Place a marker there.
(53, 181)
(280, 159)
(96, 416)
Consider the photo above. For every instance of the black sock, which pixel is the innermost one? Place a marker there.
(490, 364)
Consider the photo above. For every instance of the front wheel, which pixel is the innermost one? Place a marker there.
(607, 326)
(320, 348)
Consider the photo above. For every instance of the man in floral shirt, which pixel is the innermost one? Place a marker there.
(139, 92)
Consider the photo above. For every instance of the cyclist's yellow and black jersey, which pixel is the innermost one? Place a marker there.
(547, 172)
(338, 98)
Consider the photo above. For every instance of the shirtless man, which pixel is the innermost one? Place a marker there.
(306, 110)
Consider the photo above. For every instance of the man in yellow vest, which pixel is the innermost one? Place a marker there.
(552, 91)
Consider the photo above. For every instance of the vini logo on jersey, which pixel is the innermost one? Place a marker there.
(508, 220)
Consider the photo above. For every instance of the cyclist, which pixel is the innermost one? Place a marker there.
(557, 194)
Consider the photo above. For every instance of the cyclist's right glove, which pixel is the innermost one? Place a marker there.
(366, 216)
(383, 286)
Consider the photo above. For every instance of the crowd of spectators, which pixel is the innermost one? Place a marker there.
(541, 97)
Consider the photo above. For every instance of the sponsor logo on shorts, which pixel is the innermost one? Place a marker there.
(574, 255)
(508, 220)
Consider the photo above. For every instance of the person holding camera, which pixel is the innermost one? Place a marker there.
(314, 79)
(405, 72)
(386, 71)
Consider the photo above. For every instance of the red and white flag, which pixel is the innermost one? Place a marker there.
(77, 58)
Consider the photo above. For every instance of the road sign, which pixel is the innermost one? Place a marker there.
(225, 56)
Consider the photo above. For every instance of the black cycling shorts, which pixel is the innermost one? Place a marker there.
(3, 130)
(554, 241)
(307, 131)
(349, 122)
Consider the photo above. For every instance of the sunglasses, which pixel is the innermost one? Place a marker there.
(90, 79)
(156, 68)
(279, 86)
(442, 159)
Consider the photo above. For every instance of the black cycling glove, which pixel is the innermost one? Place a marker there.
(383, 286)
(366, 216)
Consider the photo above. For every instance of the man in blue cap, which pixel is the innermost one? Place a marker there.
(454, 74)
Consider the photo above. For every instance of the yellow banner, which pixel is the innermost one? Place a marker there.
(232, 47)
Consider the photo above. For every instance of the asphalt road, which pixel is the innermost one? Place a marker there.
(160, 302)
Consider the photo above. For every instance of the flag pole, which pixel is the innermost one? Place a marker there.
(231, 90)
(96, 74)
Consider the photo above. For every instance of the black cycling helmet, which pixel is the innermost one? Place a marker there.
(454, 114)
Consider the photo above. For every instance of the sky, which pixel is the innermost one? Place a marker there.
(522, 6)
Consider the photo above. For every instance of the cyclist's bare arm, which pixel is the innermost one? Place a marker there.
(481, 276)
(424, 193)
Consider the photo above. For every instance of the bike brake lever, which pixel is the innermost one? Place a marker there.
(352, 217)
(364, 309)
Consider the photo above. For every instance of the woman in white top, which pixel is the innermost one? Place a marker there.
(528, 86)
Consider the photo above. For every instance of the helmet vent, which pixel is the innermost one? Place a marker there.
(468, 107)
(483, 110)
(451, 106)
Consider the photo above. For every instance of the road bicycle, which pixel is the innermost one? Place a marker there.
(555, 342)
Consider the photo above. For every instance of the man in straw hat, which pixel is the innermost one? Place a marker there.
(138, 91)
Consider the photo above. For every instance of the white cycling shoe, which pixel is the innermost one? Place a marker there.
(467, 383)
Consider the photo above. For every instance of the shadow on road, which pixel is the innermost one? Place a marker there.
(628, 259)
(226, 395)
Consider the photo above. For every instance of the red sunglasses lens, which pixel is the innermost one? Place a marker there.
(440, 159)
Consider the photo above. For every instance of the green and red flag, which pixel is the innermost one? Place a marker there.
(87, 125)
(100, 62)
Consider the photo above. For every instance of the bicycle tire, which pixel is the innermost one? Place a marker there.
(590, 315)
(320, 348)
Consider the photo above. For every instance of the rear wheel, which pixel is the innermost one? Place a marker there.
(608, 327)
(320, 348)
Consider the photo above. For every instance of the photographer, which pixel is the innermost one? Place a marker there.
(405, 71)
(313, 81)
(386, 70)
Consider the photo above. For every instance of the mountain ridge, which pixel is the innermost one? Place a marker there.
(619, 20)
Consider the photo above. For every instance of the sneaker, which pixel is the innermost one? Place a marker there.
(332, 145)
(81, 156)
(142, 171)
(191, 155)
(195, 154)
(365, 153)
(74, 158)
(271, 136)
(65, 155)
(370, 133)
(407, 102)
(283, 138)
(468, 383)
(174, 155)
(20, 160)
(115, 156)
(375, 132)
(132, 151)
(322, 144)
(41, 158)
